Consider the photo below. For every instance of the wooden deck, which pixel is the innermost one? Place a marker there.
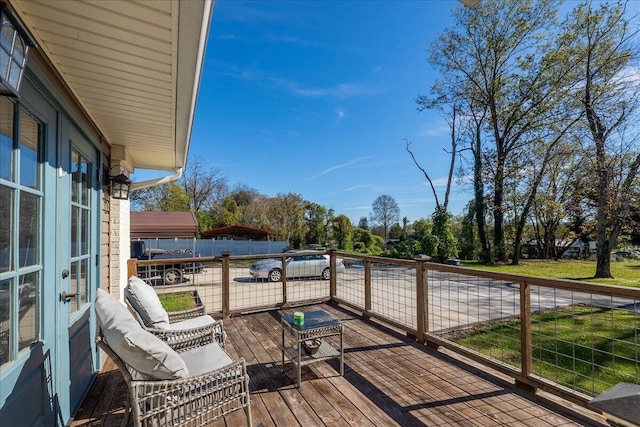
(389, 380)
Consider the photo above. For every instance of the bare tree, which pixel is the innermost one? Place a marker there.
(385, 212)
(452, 120)
(205, 186)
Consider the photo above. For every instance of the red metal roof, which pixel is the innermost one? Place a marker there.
(163, 225)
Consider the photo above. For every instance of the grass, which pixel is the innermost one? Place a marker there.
(177, 301)
(588, 349)
(625, 273)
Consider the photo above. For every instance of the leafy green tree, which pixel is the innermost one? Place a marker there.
(363, 223)
(467, 239)
(330, 239)
(366, 242)
(406, 249)
(315, 216)
(343, 232)
(405, 228)
(601, 43)
(205, 220)
(494, 56)
(167, 198)
(230, 212)
(246, 200)
(286, 217)
(442, 229)
(395, 231)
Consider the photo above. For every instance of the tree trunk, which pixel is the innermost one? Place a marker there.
(478, 187)
(603, 253)
(597, 128)
(498, 214)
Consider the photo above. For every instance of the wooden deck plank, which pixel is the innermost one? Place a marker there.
(389, 380)
(262, 326)
(260, 380)
(105, 404)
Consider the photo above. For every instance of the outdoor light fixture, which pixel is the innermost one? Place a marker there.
(120, 186)
(14, 46)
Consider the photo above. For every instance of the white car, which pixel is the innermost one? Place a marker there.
(298, 264)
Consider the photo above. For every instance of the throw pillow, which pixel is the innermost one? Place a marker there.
(138, 348)
(144, 299)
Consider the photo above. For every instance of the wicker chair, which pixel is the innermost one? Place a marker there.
(176, 334)
(193, 401)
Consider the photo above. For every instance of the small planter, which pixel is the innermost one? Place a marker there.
(311, 346)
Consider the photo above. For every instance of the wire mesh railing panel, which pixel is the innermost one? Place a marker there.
(248, 291)
(171, 282)
(461, 305)
(307, 289)
(584, 341)
(350, 284)
(583, 336)
(393, 293)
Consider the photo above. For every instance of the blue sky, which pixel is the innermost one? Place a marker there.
(317, 98)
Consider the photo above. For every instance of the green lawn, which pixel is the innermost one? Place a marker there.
(588, 349)
(625, 273)
(177, 301)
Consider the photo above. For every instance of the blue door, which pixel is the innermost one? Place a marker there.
(28, 306)
(78, 219)
(49, 234)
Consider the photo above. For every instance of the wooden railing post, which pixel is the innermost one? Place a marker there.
(422, 298)
(284, 282)
(525, 329)
(226, 306)
(132, 267)
(333, 285)
(367, 288)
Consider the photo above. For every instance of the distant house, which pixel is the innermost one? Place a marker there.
(390, 243)
(237, 232)
(570, 248)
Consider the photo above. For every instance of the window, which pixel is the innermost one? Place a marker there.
(80, 228)
(20, 229)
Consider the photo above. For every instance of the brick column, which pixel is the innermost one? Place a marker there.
(119, 245)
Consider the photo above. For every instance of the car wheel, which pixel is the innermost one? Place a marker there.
(326, 274)
(275, 275)
(172, 276)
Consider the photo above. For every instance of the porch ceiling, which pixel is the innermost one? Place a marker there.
(133, 66)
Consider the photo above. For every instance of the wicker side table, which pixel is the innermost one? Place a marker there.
(317, 324)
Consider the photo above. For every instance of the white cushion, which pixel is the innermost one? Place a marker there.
(138, 348)
(194, 322)
(206, 358)
(144, 299)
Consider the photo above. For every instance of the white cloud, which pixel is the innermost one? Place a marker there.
(435, 129)
(341, 166)
(340, 112)
(355, 187)
(339, 90)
